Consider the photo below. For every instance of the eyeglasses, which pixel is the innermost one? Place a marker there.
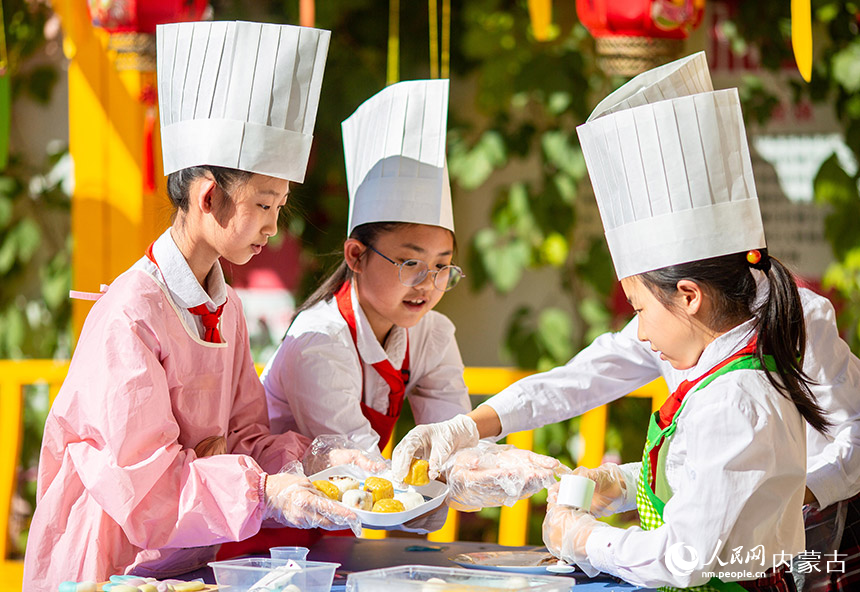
(413, 271)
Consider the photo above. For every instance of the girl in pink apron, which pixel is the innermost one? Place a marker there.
(157, 448)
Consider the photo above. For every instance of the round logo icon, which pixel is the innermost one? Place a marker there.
(681, 559)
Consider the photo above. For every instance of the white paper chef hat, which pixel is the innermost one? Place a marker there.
(394, 148)
(673, 179)
(239, 95)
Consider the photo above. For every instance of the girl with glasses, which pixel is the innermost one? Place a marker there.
(368, 339)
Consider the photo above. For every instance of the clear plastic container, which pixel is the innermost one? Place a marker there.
(241, 575)
(294, 553)
(422, 578)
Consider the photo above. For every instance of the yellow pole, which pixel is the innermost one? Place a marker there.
(113, 217)
(446, 38)
(434, 38)
(393, 73)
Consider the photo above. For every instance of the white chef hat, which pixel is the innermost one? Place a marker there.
(394, 148)
(239, 95)
(673, 178)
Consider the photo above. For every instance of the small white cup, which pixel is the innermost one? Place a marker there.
(294, 553)
(576, 491)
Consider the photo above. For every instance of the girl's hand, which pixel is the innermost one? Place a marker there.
(331, 450)
(610, 489)
(490, 475)
(435, 442)
(565, 533)
(292, 500)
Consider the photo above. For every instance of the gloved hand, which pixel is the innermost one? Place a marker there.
(490, 475)
(332, 450)
(435, 442)
(565, 532)
(211, 446)
(292, 500)
(426, 523)
(610, 489)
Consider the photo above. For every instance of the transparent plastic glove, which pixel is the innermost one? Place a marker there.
(565, 532)
(610, 489)
(292, 500)
(211, 446)
(490, 475)
(332, 450)
(435, 442)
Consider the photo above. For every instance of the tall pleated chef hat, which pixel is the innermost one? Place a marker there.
(394, 147)
(239, 95)
(670, 166)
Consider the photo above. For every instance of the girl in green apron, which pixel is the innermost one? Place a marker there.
(721, 483)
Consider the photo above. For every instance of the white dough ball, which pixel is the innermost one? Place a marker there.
(360, 500)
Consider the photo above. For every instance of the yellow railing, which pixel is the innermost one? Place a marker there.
(15, 375)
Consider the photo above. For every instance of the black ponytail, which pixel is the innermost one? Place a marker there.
(779, 322)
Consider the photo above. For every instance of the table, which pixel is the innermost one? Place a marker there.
(362, 554)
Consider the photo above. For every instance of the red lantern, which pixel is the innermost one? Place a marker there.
(635, 35)
(131, 24)
(141, 16)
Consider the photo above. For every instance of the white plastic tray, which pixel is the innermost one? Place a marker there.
(434, 493)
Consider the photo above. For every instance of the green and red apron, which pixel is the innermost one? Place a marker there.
(653, 490)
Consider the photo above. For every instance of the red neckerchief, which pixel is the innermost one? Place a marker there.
(208, 318)
(669, 409)
(382, 424)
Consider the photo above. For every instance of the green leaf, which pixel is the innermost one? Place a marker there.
(554, 250)
(6, 209)
(563, 155)
(846, 67)
(8, 252)
(29, 237)
(555, 333)
(834, 187)
(472, 167)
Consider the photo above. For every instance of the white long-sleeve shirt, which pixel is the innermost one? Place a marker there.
(736, 467)
(314, 381)
(617, 363)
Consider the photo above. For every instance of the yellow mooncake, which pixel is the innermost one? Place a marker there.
(419, 473)
(379, 487)
(328, 489)
(388, 505)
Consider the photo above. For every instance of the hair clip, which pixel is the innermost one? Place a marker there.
(754, 257)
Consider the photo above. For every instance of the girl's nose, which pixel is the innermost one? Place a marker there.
(271, 227)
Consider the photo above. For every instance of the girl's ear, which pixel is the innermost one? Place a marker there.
(353, 251)
(202, 194)
(690, 296)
